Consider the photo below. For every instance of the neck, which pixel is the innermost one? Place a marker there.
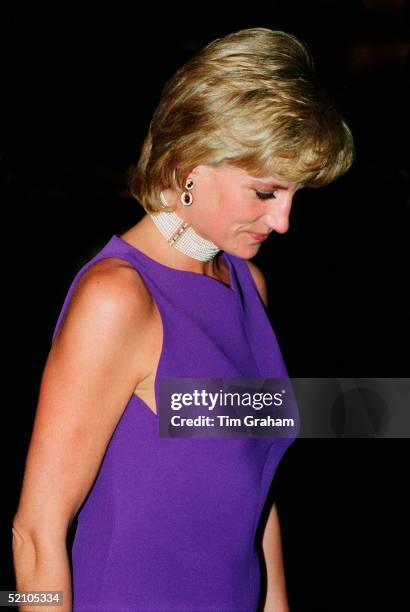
(181, 235)
(146, 236)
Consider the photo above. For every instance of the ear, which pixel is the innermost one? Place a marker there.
(198, 170)
(259, 280)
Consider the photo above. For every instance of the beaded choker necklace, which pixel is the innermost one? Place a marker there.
(183, 237)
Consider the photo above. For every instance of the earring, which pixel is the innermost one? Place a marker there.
(186, 197)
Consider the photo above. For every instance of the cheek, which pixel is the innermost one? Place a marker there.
(238, 208)
(226, 209)
(235, 209)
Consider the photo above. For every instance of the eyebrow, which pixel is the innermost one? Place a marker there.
(272, 183)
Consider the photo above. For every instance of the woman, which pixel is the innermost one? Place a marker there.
(169, 524)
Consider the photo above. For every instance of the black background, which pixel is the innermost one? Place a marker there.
(79, 90)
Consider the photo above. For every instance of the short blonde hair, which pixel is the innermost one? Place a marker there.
(251, 100)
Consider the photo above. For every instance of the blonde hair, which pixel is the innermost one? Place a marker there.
(251, 100)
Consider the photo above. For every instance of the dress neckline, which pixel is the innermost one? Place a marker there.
(232, 283)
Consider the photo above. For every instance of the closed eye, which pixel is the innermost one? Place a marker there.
(263, 195)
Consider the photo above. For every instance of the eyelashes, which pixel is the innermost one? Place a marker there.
(262, 195)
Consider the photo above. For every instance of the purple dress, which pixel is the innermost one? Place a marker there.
(169, 523)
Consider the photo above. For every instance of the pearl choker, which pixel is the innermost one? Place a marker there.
(183, 237)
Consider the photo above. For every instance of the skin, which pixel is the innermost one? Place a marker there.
(84, 391)
(225, 208)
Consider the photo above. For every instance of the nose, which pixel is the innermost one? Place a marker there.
(277, 218)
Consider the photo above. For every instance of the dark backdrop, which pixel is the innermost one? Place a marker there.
(80, 89)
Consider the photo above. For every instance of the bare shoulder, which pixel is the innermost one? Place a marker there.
(105, 331)
(93, 367)
(111, 310)
(116, 272)
(259, 279)
(114, 286)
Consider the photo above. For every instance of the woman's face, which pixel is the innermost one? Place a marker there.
(229, 206)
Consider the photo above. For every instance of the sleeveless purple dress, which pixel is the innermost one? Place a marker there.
(169, 523)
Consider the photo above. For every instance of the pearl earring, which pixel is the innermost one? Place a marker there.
(179, 233)
(186, 197)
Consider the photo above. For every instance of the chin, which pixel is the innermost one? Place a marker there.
(251, 251)
(245, 252)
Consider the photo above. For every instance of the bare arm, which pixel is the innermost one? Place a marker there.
(91, 371)
(260, 281)
(276, 596)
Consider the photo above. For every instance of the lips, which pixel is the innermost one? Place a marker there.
(258, 237)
